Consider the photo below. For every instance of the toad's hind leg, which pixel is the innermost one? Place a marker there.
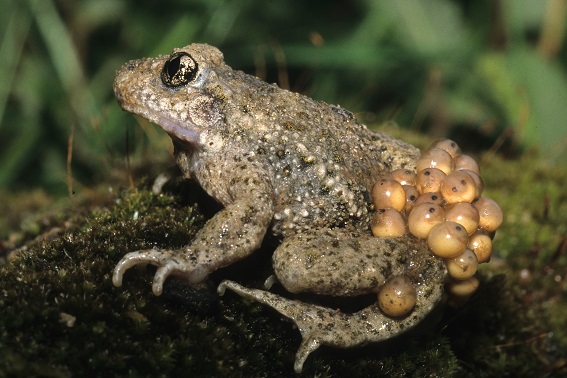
(324, 326)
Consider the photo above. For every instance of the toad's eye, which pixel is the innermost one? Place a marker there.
(179, 70)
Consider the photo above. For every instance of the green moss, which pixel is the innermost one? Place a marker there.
(535, 201)
(61, 316)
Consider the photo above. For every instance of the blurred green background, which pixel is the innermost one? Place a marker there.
(489, 74)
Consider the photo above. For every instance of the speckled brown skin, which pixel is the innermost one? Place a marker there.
(279, 162)
(382, 259)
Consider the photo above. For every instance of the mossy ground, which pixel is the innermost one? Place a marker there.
(60, 315)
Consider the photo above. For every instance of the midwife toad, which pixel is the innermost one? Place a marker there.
(282, 163)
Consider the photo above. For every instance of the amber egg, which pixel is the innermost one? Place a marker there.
(447, 145)
(388, 193)
(463, 288)
(463, 266)
(466, 162)
(463, 213)
(397, 297)
(491, 215)
(403, 176)
(458, 186)
(481, 244)
(423, 218)
(429, 180)
(447, 239)
(388, 223)
(435, 158)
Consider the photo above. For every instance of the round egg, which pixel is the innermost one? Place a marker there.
(447, 240)
(403, 176)
(397, 297)
(435, 158)
(462, 267)
(429, 180)
(388, 193)
(466, 162)
(463, 213)
(458, 186)
(463, 288)
(481, 244)
(388, 223)
(491, 215)
(449, 146)
(423, 218)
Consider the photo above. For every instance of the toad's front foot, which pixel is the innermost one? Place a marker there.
(168, 263)
(325, 326)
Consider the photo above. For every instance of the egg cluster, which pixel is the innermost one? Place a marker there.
(442, 202)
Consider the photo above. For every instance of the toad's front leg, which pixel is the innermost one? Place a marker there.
(379, 259)
(231, 235)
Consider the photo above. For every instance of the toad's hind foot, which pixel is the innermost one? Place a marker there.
(324, 326)
(305, 320)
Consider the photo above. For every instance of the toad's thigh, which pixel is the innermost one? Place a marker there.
(343, 263)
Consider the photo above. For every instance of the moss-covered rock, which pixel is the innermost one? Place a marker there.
(61, 316)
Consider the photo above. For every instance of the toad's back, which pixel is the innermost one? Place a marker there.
(319, 160)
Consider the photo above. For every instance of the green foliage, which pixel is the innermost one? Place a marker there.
(452, 68)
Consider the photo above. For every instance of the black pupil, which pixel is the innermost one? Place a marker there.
(173, 66)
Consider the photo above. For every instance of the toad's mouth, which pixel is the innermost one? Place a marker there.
(185, 132)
